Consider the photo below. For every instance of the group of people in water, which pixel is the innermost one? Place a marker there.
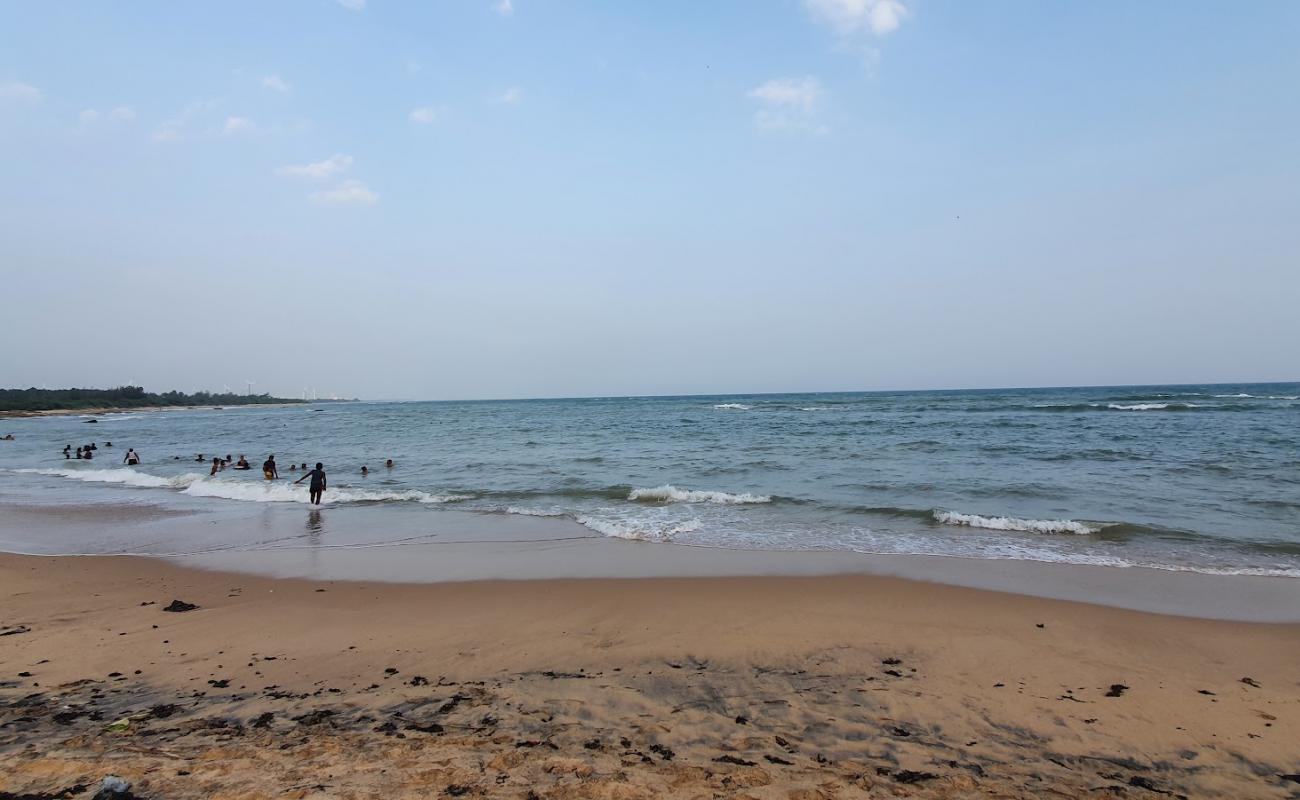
(270, 470)
(87, 451)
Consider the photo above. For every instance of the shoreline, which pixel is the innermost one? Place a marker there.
(763, 687)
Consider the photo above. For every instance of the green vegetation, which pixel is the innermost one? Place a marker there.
(121, 397)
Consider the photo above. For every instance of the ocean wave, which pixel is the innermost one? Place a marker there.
(734, 406)
(639, 529)
(122, 475)
(270, 492)
(671, 494)
(534, 512)
(1014, 524)
(1152, 406)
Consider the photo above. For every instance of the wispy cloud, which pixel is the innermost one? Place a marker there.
(511, 96)
(237, 125)
(276, 84)
(175, 128)
(504, 8)
(852, 17)
(347, 193)
(353, 5)
(334, 165)
(788, 104)
(17, 90)
(424, 115)
(119, 114)
(88, 117)
(122, 113)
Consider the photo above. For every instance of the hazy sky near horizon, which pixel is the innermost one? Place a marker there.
(519, 198)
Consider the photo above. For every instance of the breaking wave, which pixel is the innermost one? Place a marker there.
(734, 406)
(286, 493)
(640, 530)
(1014, 524)
(671, 494)
(122, 475)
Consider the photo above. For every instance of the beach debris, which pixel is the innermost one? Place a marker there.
(118, 726)
(221, 684)
(742, 720)
(1205, 691)
(593, 744)
(777, 760)
(908, 776)
(730, 759)
(666, 753)
(113, 788)
(456, 790)
(1039, 625)
(431, 727)
(180, 606)
(390, 671)
(1251, 682)
(419, 680)
(15, 630)
(891, 662)
(1116, 690)
(1293, 777)
(263, 720)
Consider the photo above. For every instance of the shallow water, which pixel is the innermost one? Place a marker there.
(1203, 478)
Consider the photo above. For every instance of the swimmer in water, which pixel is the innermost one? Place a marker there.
(268, 468)
(242, 463)
(132, 457)
(389, 463)
(365, 470)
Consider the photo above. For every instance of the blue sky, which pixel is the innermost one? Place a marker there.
(478, 199)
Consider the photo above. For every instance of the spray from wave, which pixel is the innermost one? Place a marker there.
(733, 406)
(1014, 524)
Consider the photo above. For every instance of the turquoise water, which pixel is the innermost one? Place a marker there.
(1205, 478)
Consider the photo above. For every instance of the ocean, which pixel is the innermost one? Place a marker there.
(1200, 478)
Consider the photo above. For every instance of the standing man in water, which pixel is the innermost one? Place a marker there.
(268, 468)
(317, 485)
(132, 457)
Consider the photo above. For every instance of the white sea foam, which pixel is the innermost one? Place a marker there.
(671, 494)
(267, 492)
(817, 408)
(534, 512)
(1014, 524)
(733, 406)
(638, 529)
(1240, 394)
(128, 477)
(1150, 406)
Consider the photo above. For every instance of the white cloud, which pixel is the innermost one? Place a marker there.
(174, 129)
(88, 117)
(852, 17)
(788, 103)
(237, 125)
(17, 90)
(333, 165)
(504, 8)
(347, 193)
(423, 115)
(353, 5)
(511, 96)
(276, 83)
(122, 113)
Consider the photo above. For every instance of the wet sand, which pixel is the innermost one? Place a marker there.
(763, 687)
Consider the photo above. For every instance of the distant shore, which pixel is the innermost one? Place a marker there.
(73, 412)
(757, 687)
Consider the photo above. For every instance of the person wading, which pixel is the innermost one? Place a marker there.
(317, 485)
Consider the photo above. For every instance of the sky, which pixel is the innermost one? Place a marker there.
(531, 198)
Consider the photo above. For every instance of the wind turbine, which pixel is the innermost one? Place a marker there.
(250, 383)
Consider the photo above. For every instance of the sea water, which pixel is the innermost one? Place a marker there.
(1199, 478)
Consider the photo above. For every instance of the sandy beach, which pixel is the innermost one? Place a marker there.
(769, 687)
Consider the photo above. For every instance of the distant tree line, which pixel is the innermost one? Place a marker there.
(122, 397)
